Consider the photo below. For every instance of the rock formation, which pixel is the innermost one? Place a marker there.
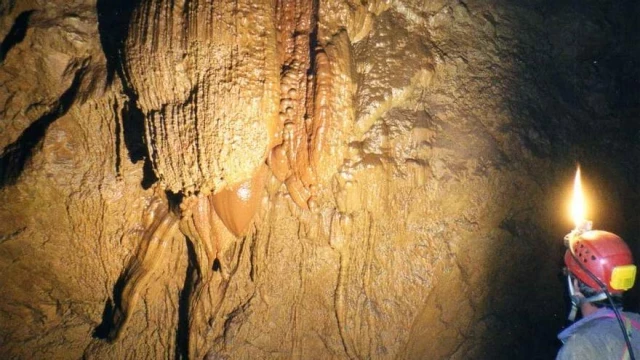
(206, 79)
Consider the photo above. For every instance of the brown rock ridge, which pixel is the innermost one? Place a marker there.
(316, 87)
(206, 77)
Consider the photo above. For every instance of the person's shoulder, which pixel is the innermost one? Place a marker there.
(634, 317)
(569, 349)
(580, 346)
(631, 315)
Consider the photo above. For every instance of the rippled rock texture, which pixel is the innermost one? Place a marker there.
(305, 179)
(206, 79)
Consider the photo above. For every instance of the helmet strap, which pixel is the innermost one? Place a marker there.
(594, 298)
(577, 300)
(573, 312)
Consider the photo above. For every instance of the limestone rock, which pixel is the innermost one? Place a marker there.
(441, 212)
(206, 77)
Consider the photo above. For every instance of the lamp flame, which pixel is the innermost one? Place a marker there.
(578, 206)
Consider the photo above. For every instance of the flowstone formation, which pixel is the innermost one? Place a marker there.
(206, 81)
(287, 179)
(206, 78)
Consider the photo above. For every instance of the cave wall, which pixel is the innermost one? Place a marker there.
(439, 235)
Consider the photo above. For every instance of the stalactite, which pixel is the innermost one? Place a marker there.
(206, 77)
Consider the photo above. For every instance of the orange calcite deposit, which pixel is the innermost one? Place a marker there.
(237, 204)
(223, 86)
(316, 88)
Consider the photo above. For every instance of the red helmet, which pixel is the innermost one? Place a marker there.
(606, 256)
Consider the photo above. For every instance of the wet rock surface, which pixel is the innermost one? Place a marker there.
(438, 221)
(206, 79)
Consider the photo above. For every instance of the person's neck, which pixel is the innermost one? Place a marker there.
(588, 309)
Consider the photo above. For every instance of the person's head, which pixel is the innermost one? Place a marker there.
(599, 260)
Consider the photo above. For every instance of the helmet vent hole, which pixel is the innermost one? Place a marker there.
(584, 260)
(593, 257)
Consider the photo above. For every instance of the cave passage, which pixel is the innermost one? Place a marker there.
(282, 179)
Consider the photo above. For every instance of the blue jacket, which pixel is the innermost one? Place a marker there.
(599, 337)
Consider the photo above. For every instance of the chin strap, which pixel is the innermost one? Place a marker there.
(574, 311)
(577, 300)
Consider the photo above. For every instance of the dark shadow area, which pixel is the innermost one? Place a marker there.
(576, 98)
(148, 175)
(313, 38)
(16, 34)
(102, 330)
(16, 155)
(113, 26)
(133, 129)
(174, 200)
(182, 333)
(107, 327)
(134, 140)
(524, 307)
(216, 265)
